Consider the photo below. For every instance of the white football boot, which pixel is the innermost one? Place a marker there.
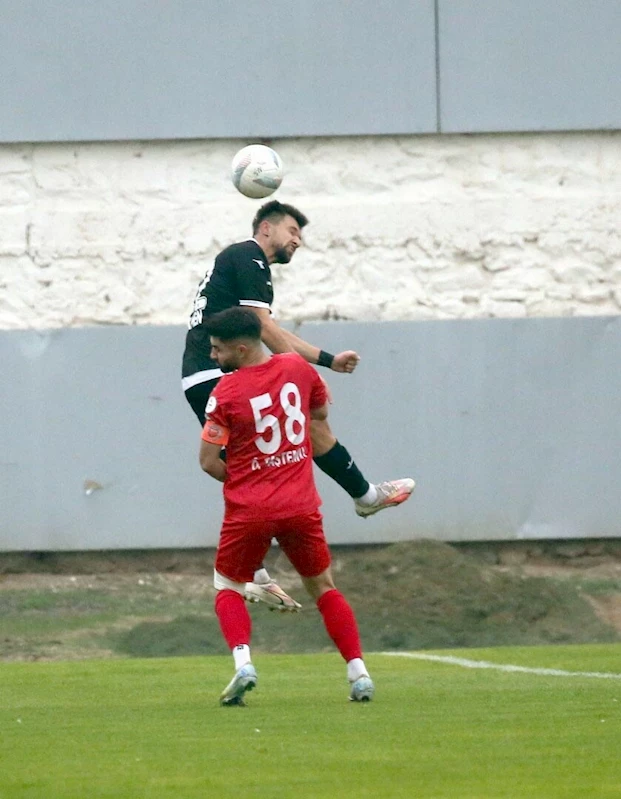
(389, 494)
(273, 596)
(244, 680)
(362, 689)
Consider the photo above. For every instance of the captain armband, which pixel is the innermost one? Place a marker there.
(215, 433)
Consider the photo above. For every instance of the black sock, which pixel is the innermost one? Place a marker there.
(338, 464)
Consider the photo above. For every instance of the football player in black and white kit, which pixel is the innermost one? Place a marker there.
(241, 276)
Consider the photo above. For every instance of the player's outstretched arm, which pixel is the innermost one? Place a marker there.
(279, 340)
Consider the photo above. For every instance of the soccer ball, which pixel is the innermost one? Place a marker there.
(256, 171)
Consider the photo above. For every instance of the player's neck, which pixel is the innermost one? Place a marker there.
(267, 250)
(256, 358)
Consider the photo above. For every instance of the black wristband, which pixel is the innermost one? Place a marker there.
(325, 359)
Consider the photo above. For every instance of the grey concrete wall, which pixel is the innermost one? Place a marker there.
(530, 65)
(77, 71)
(511, 428)
(199, 68)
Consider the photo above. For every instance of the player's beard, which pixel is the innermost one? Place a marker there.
(282, 256)
(228, 367)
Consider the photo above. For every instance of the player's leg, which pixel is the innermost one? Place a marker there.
(340, 623)
(236, 627)
(241, 549)
(333, 459)
(305, 545)
(262, 588)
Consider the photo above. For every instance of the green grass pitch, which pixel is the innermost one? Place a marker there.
(145, 729)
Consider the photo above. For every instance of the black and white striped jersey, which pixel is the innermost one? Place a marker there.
(239, 276)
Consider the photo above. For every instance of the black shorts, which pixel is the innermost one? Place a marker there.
(198, 395)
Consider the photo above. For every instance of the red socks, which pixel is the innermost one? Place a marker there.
(337, 614)
(340, 623)
(234, 618)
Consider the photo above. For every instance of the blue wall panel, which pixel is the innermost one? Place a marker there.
(196, 68)
(199, 69)
(529, 65)
(512, 429)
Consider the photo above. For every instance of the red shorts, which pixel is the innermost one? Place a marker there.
(244, 545)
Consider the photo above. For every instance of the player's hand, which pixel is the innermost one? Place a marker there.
(345, 361)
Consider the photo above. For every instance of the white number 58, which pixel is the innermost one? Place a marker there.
(293, 412)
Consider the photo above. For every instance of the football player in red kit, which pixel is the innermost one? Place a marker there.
(261, 411)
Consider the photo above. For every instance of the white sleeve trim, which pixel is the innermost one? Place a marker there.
(255, 303)
(200, 377)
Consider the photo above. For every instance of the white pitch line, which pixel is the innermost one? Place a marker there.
(485, 664)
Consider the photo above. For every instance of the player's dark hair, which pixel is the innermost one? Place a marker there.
(234, 323)
(274, 211)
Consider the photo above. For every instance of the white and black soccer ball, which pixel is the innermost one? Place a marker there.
(256, 171)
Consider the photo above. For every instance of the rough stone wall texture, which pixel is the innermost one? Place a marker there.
(412, 227)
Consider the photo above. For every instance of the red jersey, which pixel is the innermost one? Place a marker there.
(262, 413)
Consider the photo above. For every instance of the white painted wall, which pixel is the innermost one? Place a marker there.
(413, 227)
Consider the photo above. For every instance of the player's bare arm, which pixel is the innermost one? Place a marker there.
(279, 340)
(211, 462)
(319, 414)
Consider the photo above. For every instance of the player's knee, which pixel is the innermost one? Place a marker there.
(220, 582)
(319, 585)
